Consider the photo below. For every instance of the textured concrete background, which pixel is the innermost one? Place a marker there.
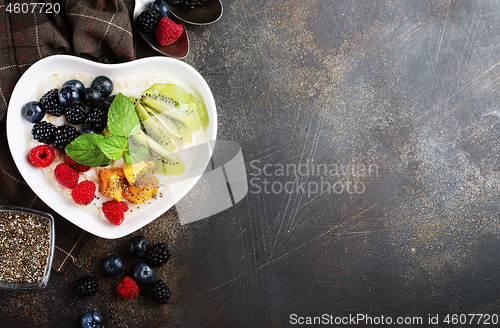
(409, 87)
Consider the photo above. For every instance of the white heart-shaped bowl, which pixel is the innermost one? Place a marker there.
(18, 133)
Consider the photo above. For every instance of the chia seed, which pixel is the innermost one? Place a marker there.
(24, 247)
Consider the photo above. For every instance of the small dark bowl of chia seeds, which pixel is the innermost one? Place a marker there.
(27, 242)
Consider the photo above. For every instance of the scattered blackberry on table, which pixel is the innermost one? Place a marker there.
(159, 292)
(50, 103)
(75, 114)
(158, 254)
(87, 286)
(64, 135)
(147, 21)
(97, 118)
(44, 132)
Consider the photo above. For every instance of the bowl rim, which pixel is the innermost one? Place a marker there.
(190, 79)
(48, 267)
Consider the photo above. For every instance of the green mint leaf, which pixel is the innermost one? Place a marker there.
(136, 152)
(85, 151)
(113, 146)
(122, 118)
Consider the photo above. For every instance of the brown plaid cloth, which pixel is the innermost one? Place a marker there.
(98, 30)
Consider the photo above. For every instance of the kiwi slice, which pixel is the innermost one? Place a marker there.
(176, 127)
(154, 129)
(176, 102)
(165, 162)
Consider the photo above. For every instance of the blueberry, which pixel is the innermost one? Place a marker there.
(75, 83)
(143, 273)
(68, 95)
(32, 112)
(91, 97)
(161, 7)
(138, 246)
(106, 101)
(92, 319)
(113, 265)
(87, 129)
(103, 84)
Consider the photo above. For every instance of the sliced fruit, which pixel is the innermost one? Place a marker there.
(137, 195)
(174, 126)
(148, 180)
(153, 128)
(135, 171)
(112, 182)
(165, 162)
(176, 102)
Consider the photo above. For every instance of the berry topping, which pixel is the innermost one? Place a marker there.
(84, 192)
(87, 286)
(78, 85)
(168, 31)
(103, 84)
(41, 156)
(44, 132)
(64, 135)
(127, 288)
(50, 103)
(158, 255)
(160, 7)
(147, 21)
(68, 95)
(138, 246)
(75, 114)
(32, 112)
(97, 118)
(66, 176)
(92, 319)
(87, 129)
(106, 101)
(113, 265)
(159, 292)
(143, 273)
(114, 211)
(91, 97)
(75, 165)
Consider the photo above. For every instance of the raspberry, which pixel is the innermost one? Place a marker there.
(41, 156)
(75, 165)
(167, 31)
(50, 103)
(114, 211)
(127, 288)
(84, 192)
(66, 176)
(44, 132)
(147, 21)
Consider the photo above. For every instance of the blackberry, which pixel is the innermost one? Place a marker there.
(50, 103)
(159, 292)
(44, 132)
(158, 255)
(87, 286)
(75, 114)
(148, 20)
(97, 118)
(64, 135)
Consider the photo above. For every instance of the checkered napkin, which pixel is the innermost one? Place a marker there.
(99, 30)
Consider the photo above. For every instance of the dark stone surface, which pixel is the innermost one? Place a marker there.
(407, 88)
